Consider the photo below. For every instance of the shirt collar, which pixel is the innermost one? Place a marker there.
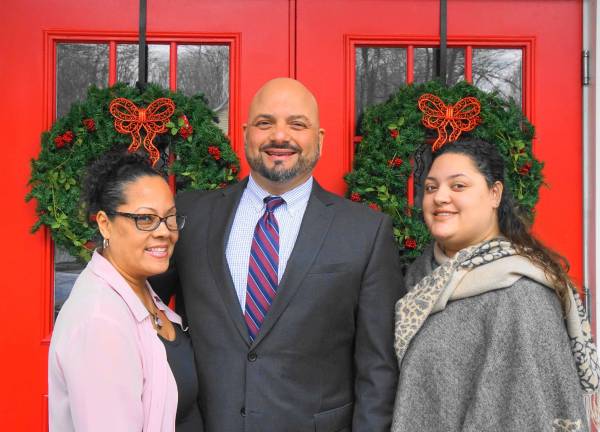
(102, 268)
(294, 198)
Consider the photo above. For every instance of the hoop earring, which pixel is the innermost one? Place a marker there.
(105, 243)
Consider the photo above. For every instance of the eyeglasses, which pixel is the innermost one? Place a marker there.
(150, 222)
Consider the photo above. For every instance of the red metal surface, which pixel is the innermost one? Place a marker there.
(310, 39)
(550, 38)
(259, 39)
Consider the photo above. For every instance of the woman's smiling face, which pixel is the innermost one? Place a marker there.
(138, 254)
(459, 207)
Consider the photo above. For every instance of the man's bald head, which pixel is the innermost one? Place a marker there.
(285, 89)
(282, 137)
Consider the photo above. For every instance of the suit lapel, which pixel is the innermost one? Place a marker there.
(315, 224)
(221, 221)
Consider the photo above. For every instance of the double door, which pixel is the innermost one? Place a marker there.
(350, 53)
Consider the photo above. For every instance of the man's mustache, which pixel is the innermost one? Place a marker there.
(281, 146)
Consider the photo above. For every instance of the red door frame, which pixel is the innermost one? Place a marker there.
(410, 42)
(112, 39)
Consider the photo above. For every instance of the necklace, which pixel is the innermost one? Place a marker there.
(157, 322)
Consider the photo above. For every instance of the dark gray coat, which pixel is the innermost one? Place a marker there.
(500, 361)
(323, 360)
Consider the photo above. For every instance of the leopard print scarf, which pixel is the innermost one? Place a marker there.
(433, 292)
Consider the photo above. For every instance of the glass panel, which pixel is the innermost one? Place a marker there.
(127, 63)
(205, 69)
(66, 270)
(499, 70)
(426, 60)
(158, 64)
(78, 66)
(379, 73)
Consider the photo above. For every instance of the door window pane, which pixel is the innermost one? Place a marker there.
(158, 64)
(499, 70)
(205, 69)
(78, 66)
(66, 270)
(426, 60)
(379, 73)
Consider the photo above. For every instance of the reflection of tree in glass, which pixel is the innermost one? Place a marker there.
(127, 63)
(379, 73)
(499, 70)
(158, 64)
(426, 64)
(78, 66)
(204, 69)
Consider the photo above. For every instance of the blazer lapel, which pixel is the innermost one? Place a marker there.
(220, 222)
(315, 224)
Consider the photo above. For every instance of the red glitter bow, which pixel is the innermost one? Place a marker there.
(129, 119)
(463, 116)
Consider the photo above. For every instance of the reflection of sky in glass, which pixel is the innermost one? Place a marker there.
(158, 64)
(499, 70)
(380, 72)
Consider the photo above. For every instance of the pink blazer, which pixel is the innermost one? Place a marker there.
(107, 368)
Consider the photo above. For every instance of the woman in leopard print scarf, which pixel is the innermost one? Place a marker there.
(491, 336)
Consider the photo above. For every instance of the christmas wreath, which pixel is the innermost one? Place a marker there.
(395, 142)
(204, 158)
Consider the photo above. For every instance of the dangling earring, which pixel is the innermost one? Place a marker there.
(105, 243)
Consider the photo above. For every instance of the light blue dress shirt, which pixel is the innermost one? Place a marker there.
(289, 217)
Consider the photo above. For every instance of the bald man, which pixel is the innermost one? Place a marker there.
(288, 290)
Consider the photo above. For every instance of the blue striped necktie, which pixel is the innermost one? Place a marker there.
(263, 267)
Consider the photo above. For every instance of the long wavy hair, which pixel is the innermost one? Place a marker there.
(511, 220)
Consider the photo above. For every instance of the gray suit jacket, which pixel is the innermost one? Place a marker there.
(323, 360)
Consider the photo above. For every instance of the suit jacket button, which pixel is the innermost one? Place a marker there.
(252, 356)
(243, 411)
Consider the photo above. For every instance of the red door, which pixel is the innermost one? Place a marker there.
(35, 37)
(336, 47)
(536, 41)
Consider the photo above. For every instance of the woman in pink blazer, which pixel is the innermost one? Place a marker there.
(119, 358)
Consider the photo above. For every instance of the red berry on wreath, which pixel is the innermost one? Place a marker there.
(68, 136)
(525, 168)
(395, 162)
(355, 196)
(214, 152)
(89, 124)
(186, 131)
(410, 243)
(374, 206)
(394, 133)
(59, 142)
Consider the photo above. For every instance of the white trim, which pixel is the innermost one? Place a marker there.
(591, 162)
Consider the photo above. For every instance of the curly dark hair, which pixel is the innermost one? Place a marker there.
(107, 177)
(511, 220)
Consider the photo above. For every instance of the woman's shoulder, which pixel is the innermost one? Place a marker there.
(531, 295)
(525, 307)
(92, 302)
